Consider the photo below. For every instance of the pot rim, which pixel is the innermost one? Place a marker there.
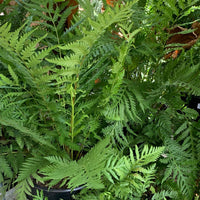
(58, 190)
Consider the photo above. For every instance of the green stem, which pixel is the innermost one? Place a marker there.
(13, 152)
(56, 31)
(72, 118)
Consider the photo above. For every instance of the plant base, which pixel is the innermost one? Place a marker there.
(55, 194)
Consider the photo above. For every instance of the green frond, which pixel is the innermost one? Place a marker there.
(102, 49)
(5, 29)
(37, 57)
(129, 175)
(27, 173)
(93, 72)
(79, 47)
(15, 36)
(115, 131)
(130, 106)
(13, 75)
(23, 188)
(87, 171)
(68, 62)
(64, 15)
(24, 130)
(5, 168)
(19, 45)
(29, 50)
(111, 16)
(89, 9)
(148, 154)
(188, 11)
(30, 167)
(5, 35)
(164, 195)
(5, 81)
(182, 161)
(11, 95)
(51, 17)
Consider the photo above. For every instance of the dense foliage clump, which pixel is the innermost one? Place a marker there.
(102, 102)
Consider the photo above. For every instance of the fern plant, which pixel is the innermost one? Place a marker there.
(110, 81)
(164, 83)
(123, 177)
(45, 99)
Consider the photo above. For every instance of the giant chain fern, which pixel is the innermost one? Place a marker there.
(22, 57)
(123, 176)
(139, 93)
(182, 160)
(127, 177)
(38, 83)
(87, 171)
(74, 64)
(171, 11)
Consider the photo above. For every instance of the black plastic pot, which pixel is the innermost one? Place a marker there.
(194, 103)
(55, 194)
